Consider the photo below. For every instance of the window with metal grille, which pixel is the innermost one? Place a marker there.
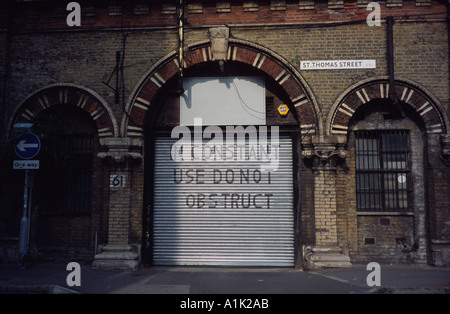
(69, 183)
(64, 182)
(382, 170)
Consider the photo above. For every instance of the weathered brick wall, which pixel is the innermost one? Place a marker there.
(441, 228)
(438, 188)
(62, 235)
(421, 54)
(344, 42)
(137, 205)
(88, 58)
(3, 43)
(419, 59)
(44, 51)
(307, 222)
(3, 61)
(119, 211)
(380, 239)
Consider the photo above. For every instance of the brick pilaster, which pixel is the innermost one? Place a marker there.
(325, 153)
(119, 208)
(325, 206)
(122, 155)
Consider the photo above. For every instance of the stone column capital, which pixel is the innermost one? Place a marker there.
(325, 152)
(120, 151)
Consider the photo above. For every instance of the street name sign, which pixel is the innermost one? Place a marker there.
(337, 64)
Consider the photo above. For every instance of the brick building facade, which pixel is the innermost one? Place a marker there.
(370, 146)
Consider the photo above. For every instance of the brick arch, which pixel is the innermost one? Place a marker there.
(406, 91)
(68, 94)
(290, 80)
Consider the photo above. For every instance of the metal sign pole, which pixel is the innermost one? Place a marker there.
(26, 147)
(24, 225)
(30, 194)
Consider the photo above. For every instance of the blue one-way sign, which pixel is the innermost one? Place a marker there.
(27, 145)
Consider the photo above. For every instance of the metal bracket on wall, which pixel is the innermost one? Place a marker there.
(116, 71)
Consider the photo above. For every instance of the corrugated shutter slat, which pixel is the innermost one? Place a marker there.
(245, 219)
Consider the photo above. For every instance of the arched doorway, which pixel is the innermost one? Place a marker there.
(67, 213)
(64, 183)
(172, 239)
(387, 157)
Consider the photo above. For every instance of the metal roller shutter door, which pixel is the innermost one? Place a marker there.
(222, 213)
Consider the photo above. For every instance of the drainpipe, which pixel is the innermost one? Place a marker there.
(398, 111)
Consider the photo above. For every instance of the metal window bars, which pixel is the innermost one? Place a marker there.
(69, 189)
(382, 170)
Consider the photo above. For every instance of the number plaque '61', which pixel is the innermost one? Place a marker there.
(117, 181)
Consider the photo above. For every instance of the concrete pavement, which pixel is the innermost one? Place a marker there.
(50, 277)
